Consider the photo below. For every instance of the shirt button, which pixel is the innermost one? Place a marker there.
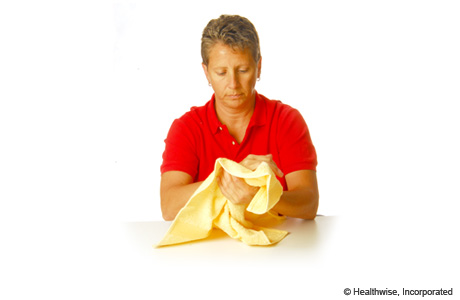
(233, 143)
(220, 128)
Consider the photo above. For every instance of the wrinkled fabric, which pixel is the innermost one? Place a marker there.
(208, 208)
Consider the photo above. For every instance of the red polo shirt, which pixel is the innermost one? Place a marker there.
(197, 139)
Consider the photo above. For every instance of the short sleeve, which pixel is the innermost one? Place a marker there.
(180, 150)
(295, 145)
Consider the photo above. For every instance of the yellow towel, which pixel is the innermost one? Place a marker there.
(208, 209)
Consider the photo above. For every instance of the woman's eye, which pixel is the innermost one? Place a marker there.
(243, 71)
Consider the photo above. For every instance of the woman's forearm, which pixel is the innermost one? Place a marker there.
(301, 203)
(175, 198)
(176, 188)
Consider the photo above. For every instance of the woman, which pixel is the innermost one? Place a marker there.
(239, 124)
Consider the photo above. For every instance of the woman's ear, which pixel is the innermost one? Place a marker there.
(259, 68)
(205, 69)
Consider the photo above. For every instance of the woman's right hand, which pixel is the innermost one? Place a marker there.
(253, 161)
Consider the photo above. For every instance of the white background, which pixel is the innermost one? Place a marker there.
(88, 91)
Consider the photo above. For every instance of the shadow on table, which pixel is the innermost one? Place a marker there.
(305, 236)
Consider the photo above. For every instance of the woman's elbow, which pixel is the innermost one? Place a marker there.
(167, 214)
(168, 217)
(309, 216)
(310, 213)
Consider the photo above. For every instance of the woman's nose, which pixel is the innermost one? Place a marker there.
(234, 81)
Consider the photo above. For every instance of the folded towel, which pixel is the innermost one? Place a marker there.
(208, 209)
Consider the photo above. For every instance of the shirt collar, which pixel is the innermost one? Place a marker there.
(259, 117)
(212, 115)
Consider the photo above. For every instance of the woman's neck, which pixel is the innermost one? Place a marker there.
(236, 119)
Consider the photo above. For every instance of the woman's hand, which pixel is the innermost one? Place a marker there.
(235, 189)
(253, 161)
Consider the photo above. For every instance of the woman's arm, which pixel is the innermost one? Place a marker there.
(176, 188)
(299, 201)
(302, 197)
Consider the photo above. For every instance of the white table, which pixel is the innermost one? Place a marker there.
(317, 260)
(220, 267)
(304, 239)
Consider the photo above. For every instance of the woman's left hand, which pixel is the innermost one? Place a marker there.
(235, 189)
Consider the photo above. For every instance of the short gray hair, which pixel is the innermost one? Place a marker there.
(232, 30)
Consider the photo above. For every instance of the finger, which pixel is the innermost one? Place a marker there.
(219, 182)
(253, 161)
(269, 160)
(273, 165)
(223, 188)
(276, 170)
(224, 179)
(228, 187)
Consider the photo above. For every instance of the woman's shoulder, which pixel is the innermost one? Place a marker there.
(196, 114)
(278, 107)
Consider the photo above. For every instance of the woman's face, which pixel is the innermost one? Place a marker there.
(232, 74)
